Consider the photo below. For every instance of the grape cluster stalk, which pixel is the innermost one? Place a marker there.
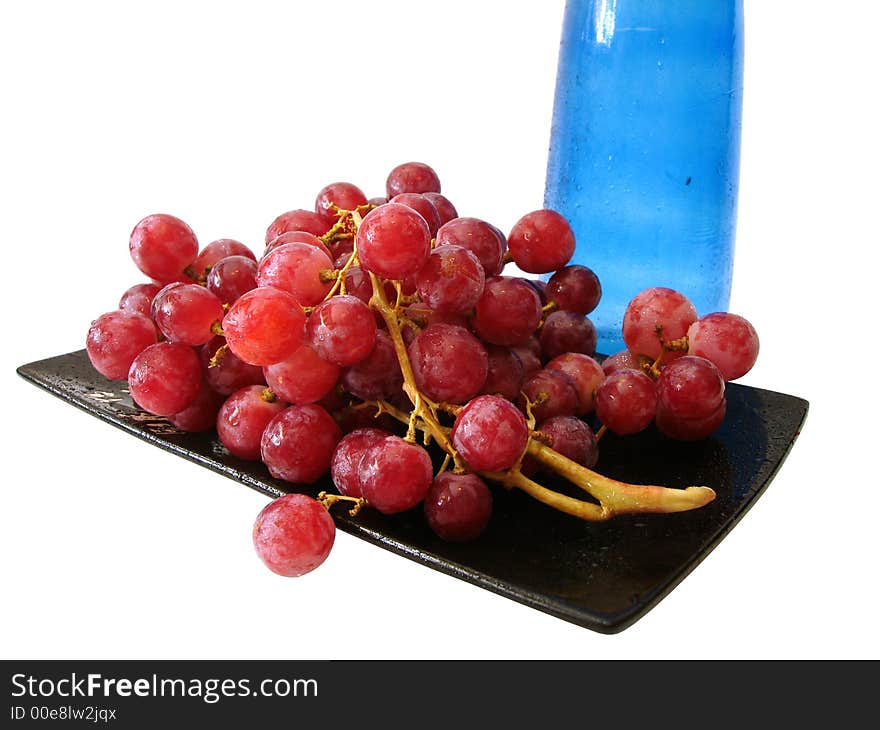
(366, 318)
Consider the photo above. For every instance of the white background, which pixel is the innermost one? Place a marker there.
(229, 113)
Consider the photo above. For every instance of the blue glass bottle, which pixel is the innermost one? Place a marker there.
(644, 149)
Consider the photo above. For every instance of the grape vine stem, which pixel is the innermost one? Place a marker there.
(615, 497)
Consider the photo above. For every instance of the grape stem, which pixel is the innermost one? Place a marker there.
(195, 276)
(680, 345)
(339, 284)
(344, 228)
(328, 500)
(341, 230)
(450, 408)
(218, 356)
(411, 323)
(615, 497)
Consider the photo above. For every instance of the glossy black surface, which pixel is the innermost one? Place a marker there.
(601, 576)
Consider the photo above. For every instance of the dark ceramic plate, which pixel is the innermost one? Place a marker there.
(601, 576)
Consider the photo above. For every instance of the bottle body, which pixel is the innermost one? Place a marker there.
(644, 149)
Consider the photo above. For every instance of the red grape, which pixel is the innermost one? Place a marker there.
(378, 376)
(341, 251)
(298, 443)
(572, 438)
(219, 249)
(423, 317)
(620, 360)
(567, 332)
(187, 313)
(655, 313)
(304, 377)
(138, 298)
(230, 373)
(334, 401)
(626, 401)
(342, 330)
(338, 196)
(458, 506)
(231, 277)
(501, 237)
(508, 311)
(162, 246)
(551, 393)
(505, 373)
(575, 289)
(264, 326)
(297, 220)
(347, 457)
(421, 205)
(244, 416)
(541, 241)
(412, 177)
(350, 420)
(540, 287)
(154, 305)
(393, 241)
(451, 280)
(533, 344)
(358, 284)
(394, 475)
(165, 378)
(586, 375)
(690, 388)
(293, 535)
(445, 209)
(530, 361)
(480, 238)
(201, 414)
(449, 364)
(115, 339)
(298, 237)
(727, 340)
(296, 268)
(407, 285)
(490, 433)
(689, 429)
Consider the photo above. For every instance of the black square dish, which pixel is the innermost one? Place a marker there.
(601, 576)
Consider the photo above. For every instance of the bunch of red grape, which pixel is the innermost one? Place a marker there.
(369, 325)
